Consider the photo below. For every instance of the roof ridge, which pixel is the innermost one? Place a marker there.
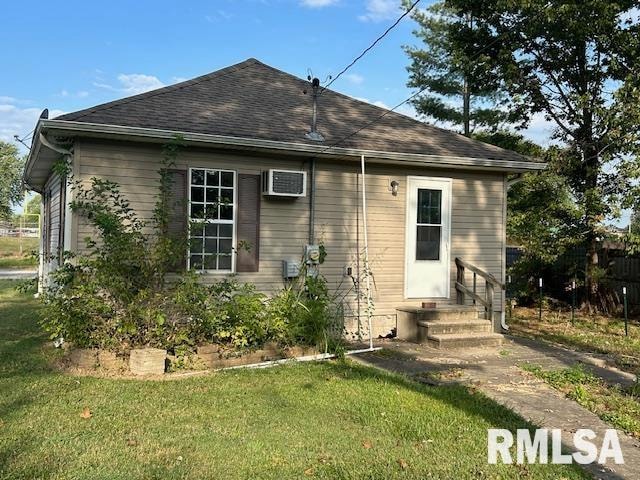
(162, 90)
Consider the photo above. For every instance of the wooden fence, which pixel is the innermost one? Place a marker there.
(623, 271)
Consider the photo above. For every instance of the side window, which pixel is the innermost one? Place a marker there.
(212, 216)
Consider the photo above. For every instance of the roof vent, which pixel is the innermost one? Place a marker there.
(314, 134)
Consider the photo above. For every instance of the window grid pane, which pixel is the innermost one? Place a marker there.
(212, 202)
(429, 206)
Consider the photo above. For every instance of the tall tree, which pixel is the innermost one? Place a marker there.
(542, 216)
(462, 87)
(634, 226)
(11, 165)
(577, 64)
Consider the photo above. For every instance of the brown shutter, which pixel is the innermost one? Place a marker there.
(248, 226)
(178, 215)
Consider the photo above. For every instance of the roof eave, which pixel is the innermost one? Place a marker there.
(96, 130)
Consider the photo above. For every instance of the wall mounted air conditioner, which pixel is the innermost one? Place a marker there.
(284, 183)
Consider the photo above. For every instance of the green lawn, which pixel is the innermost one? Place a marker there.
(313, 420)
(616, 406)
(10, 256)
(591, 334)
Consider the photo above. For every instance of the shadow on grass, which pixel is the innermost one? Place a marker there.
(406, 367)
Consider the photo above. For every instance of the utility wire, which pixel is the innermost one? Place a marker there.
(414, 95)
(364, 52)
(386, 112)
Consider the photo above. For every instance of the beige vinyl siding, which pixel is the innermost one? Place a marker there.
(477, 233)
(51, 233)
(476, 226)
(284, 224)
(53, 189)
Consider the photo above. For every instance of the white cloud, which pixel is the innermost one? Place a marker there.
(540, 130)
(20, 121)
(318, 3)
(379, 10)
(354, 78)
(381, 104)
(134, 83)
(4, 99)
(220, 15)
(404, 109)
(79, 94)
(128, 83)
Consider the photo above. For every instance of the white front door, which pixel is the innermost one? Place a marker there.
(428, 233)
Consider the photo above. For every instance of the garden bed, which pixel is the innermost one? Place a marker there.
(104, 363)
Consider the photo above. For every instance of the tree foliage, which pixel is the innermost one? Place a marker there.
(635, 221)
(542, 215)
(462, 86)
(11, 166)
(576, 63)
(33, 205)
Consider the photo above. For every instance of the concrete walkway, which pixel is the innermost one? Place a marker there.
(495, 372)
(12, 274)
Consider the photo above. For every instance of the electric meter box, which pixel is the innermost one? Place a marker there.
(312, 254)
(290, 269)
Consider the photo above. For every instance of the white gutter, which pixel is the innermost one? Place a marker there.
(70, 128)
(51, 146)
(507, 186)
(366, 252)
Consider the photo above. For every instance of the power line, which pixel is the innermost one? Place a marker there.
(364, 52)
(414, 95)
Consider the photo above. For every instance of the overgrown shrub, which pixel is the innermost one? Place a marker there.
(117, 295)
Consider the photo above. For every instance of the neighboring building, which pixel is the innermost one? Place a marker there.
(431, 195)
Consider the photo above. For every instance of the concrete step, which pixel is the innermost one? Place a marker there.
(443, 313)
(459, 326)
(464, 340)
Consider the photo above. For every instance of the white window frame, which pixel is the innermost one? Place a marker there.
(233, 222)
(441, 225)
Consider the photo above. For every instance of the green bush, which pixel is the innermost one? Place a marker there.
(117, 296)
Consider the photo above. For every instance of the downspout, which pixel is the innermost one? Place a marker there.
(507, 184)
(67, 155)
(312, 201)
(366, 251)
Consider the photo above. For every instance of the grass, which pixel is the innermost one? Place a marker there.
(333, 420)
(614, 405)
(591, 334)
(10, 256)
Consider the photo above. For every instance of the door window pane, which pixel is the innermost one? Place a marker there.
(429, 206)
(428, 242)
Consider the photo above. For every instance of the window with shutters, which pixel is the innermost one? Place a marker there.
(212, 216)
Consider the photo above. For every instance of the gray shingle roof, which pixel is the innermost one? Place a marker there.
(253, 100)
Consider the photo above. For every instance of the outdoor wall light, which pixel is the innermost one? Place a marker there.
(395, 185)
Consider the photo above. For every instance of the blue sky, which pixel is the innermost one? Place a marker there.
(83, 53)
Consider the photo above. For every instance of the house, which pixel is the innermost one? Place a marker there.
(286, 158)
